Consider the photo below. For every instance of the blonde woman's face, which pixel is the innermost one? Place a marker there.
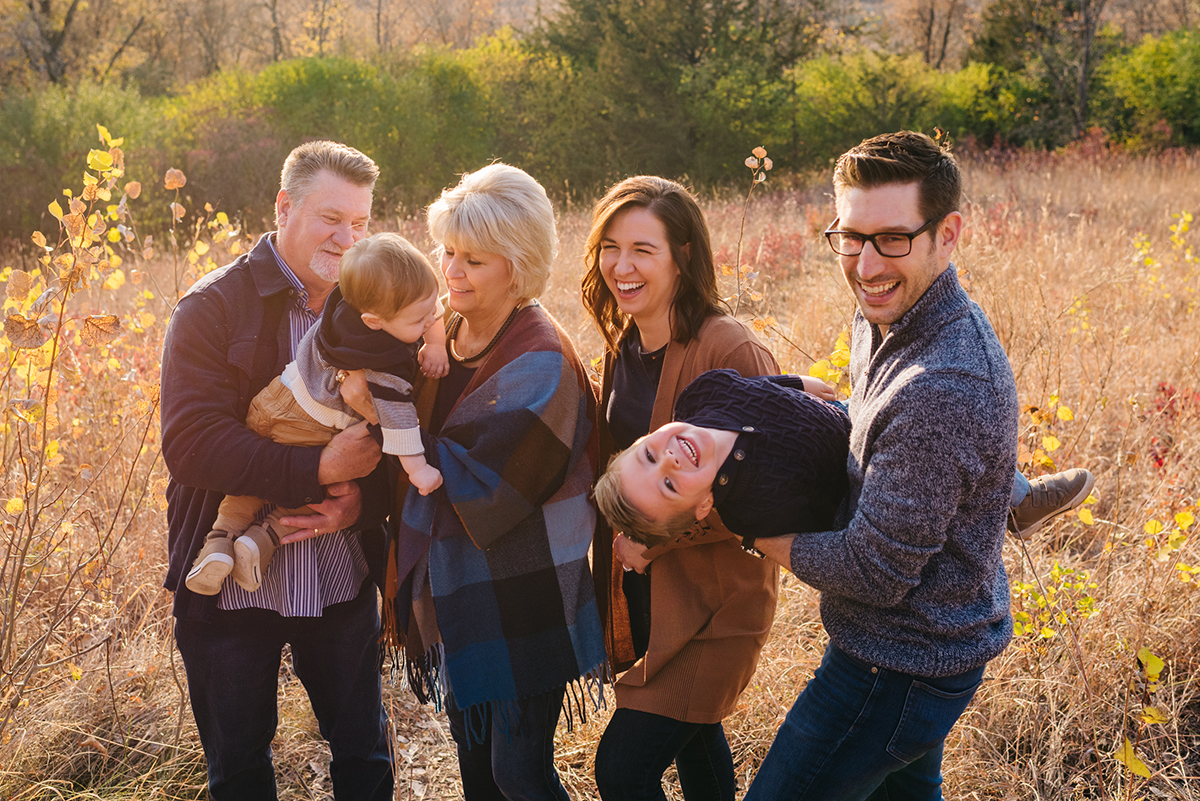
(637, 266)
(479, 282)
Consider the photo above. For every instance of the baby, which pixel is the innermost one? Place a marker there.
(385, 302)
(771, 459)
(768, 456)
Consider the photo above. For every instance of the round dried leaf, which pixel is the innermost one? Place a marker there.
(175, 179)
(99, 329)
(18, 286)
(24, 332)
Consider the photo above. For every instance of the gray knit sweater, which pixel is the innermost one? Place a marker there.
(914, 581)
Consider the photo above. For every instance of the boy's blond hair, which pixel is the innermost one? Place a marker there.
(627, 519)
(384, 273)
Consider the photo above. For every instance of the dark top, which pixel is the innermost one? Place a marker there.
(449, 390)
(635, 386)
(347, 343)
(787, 470)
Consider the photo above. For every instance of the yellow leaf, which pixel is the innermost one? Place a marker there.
(201, 247)
(15, 506)
(820, 369)
(1152, 527)
(148, 319)
(1065, 414)
(105, 137)
(115, 280)
(1086, 516)
(56, 210)
(39, 239)
(99, 160)
(1051, 443)
(113, 364)
(1048, 633)
(1129, 759)
(1152, 714)
(1185, 520)
(76, 673)
(1151, 664)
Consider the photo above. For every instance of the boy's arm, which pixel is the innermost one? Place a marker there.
(421, 474)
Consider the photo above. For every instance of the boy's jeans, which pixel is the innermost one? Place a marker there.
(860, 732)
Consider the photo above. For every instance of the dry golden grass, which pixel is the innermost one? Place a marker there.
(1072, 259)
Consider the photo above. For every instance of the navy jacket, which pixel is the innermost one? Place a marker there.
(227, 339)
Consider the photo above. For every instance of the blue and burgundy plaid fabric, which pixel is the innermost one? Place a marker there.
(506, 539)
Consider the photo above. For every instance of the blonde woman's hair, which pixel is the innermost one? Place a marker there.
(627, 519)
(500, 209)
(303, 164)
(384, 273)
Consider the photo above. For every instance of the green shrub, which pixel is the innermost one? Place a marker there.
(1157, 83)
(44, 135)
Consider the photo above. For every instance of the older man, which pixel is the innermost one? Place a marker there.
(229, 336)
(914, 595)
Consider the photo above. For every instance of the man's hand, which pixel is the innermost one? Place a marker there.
(351, 454)
(356, 395)
(433, 360)
(340, 509)
(630, 554)
(777, 549)
(815, 386)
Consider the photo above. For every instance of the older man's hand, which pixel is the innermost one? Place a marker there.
(353, 453)
(340, 509)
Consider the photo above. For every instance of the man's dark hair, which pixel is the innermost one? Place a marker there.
(903, 158)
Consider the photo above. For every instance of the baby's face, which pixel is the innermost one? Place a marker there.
(411, 322)
(671, 470)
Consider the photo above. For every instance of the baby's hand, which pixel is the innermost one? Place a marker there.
(426, 479)
(433, 360)
(815, 386)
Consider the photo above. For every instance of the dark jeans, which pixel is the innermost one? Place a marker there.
(517, 765)
(862, 732)
(638, 747)
(232, 668)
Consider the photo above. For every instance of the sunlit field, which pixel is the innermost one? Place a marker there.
(1084, 262)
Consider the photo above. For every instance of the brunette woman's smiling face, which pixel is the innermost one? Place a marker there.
(638, 268)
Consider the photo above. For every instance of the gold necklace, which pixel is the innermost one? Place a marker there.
(452, 334)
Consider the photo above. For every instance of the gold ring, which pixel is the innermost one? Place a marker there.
(340, 376)
(316, 531)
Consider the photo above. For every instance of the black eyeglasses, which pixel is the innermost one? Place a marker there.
(890, 244)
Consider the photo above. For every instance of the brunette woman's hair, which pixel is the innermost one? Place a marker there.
(687, 234)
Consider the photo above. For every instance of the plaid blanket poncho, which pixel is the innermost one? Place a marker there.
(489, 590)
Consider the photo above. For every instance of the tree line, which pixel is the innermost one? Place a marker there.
(579, 94)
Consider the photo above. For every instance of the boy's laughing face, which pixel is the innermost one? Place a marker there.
(671, 470)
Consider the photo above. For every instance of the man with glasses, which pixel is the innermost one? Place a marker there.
(914, 595)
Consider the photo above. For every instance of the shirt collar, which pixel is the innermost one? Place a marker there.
(301, 292)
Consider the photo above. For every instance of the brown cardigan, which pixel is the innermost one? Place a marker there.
(711, 603)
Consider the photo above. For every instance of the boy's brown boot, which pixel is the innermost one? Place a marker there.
(212, 565)
(252, 554)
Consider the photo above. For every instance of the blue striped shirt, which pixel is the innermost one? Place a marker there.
(304, 577)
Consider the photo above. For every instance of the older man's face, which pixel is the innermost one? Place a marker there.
(314, 233)
(886, 288)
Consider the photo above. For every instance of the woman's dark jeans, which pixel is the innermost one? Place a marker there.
(517, 765)
(638, 747)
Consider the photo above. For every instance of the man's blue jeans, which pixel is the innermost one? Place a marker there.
(638, 747)
(233, 676)
(862, 732)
